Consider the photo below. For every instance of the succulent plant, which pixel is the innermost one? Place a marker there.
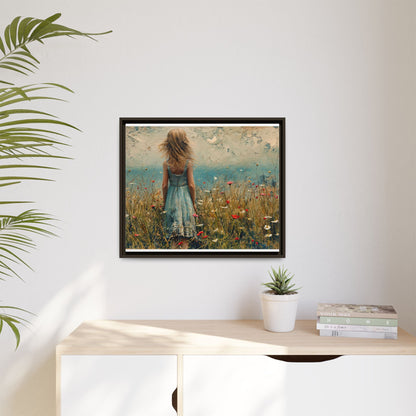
(281, 282)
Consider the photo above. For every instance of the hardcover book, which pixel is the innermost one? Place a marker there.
(357, 311)
(357, 334)
(361, 328)
(344, 320)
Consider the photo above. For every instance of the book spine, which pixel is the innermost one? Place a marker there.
(357, 334)
(338, 320)
(379, 315)
(361, 328)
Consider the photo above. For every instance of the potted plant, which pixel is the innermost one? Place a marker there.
(280, 301)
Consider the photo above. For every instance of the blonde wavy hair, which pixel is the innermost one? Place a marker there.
(177, 148)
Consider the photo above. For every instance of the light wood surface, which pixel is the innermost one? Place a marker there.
(237, 337)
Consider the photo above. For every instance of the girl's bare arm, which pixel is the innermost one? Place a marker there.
(165, 182)
(191, 184)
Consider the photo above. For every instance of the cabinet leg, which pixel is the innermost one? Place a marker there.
(179, 389)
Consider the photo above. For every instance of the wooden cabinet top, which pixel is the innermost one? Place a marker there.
(219, 337)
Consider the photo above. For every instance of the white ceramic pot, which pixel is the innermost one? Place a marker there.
(279, 311)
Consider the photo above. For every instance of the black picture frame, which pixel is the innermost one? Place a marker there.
(126, 191)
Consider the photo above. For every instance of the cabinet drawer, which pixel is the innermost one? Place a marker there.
(259, 385)
(118, 385)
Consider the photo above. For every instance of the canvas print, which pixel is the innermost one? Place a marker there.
(202, 187)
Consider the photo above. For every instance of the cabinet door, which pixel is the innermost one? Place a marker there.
(232, 385)
(259, 385)
(117, 385)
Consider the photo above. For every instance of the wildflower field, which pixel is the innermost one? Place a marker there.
(231, 214)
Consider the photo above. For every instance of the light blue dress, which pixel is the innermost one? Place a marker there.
(179, 221)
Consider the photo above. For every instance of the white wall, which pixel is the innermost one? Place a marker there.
(341, 72)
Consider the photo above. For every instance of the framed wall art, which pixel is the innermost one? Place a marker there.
(202, 187)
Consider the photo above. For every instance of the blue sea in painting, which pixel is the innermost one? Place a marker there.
(206, 176)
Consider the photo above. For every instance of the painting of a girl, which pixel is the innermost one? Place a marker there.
(178, 188)
(202, 187)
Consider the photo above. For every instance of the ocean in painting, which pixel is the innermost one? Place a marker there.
(205, 176)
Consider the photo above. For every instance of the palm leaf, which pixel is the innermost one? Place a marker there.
(21, 32)
(20, 139)
(25, 134)
(16, 232)
(12, 321)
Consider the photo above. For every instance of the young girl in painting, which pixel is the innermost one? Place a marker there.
(178, 189)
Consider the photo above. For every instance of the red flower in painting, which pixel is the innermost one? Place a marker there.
(235, 216)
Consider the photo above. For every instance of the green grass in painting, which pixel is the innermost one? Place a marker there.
(240, 215)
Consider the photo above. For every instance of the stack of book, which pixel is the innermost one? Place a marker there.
(357, 321)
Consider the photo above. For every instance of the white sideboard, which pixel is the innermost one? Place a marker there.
(223, 368)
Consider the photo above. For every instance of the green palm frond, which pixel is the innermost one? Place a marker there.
(22, 31)
(12, 320)
(28, 138)
(15, 238)
(28, 134)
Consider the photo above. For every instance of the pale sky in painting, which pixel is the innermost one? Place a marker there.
(212, 145)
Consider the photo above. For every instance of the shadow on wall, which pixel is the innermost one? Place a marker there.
(28, 382)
